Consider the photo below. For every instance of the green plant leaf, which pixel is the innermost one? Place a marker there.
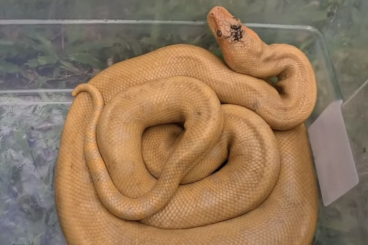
(47, 60)
(42, 60)
(7, 67)
(90, 46)
(74, 34)
(44, 45)
(10, 51)
(70, 67)
(135, 46)
(87, 59)
(33, 63)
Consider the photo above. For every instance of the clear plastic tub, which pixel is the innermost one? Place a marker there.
(35, 94)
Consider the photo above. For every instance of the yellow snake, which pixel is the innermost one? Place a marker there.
(143, 149)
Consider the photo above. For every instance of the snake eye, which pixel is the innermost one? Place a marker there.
(219, 33)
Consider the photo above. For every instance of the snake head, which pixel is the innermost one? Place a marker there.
(226, 27)
(234, 38)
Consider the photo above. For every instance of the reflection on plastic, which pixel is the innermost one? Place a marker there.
(332, 154)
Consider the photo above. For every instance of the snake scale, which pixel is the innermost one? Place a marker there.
(177, 147)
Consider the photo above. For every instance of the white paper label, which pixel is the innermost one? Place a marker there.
(332, 154)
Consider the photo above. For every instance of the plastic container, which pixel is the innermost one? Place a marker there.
(35, 94)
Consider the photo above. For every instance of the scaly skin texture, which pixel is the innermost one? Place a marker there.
(144, 139)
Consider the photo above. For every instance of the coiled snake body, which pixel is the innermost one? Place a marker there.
(141, 155)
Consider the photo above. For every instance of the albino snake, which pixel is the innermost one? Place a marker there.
(143, 145)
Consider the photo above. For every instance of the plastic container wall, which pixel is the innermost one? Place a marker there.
(31, 117)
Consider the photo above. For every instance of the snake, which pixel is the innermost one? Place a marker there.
(177, 146)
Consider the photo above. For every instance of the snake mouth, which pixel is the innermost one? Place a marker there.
(224, 25)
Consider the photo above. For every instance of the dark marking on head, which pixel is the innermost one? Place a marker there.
(236, 32)
(235, 27)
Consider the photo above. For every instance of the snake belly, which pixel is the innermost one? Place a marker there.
(142, 154)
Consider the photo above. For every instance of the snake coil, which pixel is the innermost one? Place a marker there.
(176, 147)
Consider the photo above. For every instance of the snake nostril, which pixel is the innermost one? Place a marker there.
(219, 33)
